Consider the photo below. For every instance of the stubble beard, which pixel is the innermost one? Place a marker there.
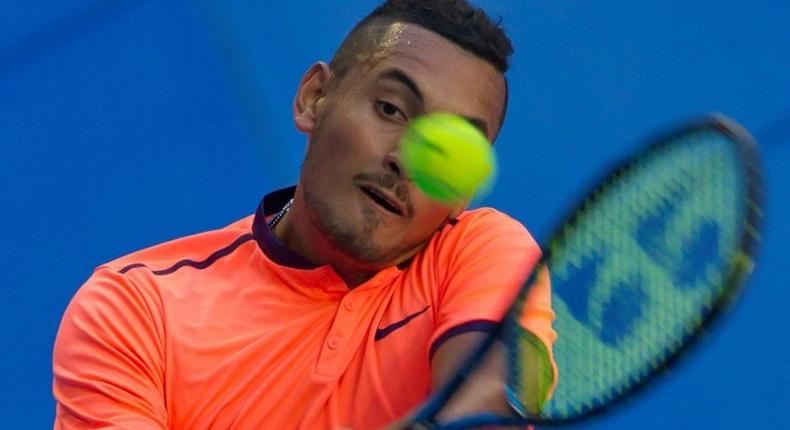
(333, 220)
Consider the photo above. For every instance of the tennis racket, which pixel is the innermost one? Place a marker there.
(639, 269)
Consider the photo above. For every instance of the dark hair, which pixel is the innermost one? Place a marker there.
(465, 25)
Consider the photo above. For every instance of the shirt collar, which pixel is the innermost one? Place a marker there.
(278, 253)
(267, 241)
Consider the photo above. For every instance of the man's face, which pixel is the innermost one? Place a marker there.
(354, 186)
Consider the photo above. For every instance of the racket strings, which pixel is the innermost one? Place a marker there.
(644, 264)
(636, 273)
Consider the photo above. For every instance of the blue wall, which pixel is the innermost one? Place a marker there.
(127, 123)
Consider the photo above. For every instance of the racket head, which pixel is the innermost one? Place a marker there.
(642, 266)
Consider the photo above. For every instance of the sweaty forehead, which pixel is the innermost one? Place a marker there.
(450, 78)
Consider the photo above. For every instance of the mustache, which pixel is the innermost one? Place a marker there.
(388, 181)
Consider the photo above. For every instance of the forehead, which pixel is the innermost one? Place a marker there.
(449, 77)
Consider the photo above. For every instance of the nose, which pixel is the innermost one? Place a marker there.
(393, 164)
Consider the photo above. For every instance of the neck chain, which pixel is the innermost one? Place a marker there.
(279, 216)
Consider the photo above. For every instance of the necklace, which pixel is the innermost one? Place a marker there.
(280, 214)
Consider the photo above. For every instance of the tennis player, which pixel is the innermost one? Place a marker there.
(341, 302)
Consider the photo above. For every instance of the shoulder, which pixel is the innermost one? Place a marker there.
(194, 248)
(484, 230)
(132, 284)
(487, 217)
(484, 246)
(478, 266)
(144, 274)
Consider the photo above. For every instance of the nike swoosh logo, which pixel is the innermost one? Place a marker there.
(381, 333)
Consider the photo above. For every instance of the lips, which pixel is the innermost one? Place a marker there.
(384, 199)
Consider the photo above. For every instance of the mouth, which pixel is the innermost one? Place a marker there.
(384, 200)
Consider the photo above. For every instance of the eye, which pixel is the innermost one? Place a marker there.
(389, 110)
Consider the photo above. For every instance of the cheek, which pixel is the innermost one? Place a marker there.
(329, 155)
(345, 137)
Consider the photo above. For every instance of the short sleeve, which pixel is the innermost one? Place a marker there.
(484, 260)
(108, 358)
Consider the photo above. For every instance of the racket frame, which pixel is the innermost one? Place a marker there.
(741, 267)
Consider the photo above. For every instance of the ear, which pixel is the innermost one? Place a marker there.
(309, 96)
(457, 210)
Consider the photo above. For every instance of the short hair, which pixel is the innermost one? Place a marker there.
(458, 21)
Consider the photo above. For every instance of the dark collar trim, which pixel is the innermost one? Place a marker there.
(267, 241)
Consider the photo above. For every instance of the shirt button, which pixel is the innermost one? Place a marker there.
(333, 342)
(349, 305)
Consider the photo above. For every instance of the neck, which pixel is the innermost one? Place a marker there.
(300, 235)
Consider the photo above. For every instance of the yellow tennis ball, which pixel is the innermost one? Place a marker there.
(447, 157)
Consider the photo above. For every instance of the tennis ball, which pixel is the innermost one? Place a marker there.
(447, 157)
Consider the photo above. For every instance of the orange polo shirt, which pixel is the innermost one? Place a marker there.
(230, 330)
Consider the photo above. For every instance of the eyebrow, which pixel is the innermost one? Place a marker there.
(399, 76)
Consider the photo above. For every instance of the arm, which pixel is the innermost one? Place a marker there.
(483, 391)
(489, 261)
(484, 266)
(108, 358)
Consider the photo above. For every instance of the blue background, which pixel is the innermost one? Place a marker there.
(127, 123)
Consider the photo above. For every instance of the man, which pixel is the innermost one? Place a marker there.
(343, 301)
